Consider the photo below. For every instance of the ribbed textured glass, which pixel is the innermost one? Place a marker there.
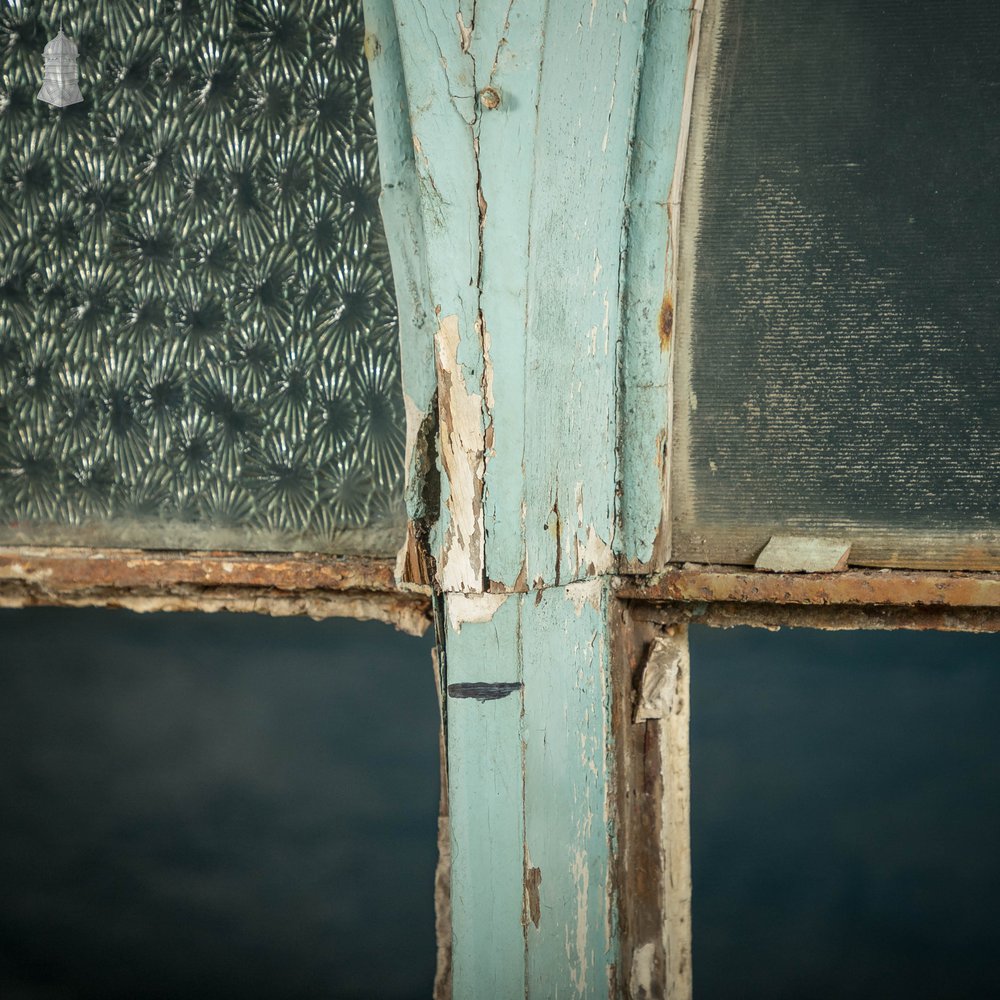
(839, 304)
(197, 321)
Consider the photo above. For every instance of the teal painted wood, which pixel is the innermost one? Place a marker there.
(522, 203)
(508, 58)
(649, 294)
(528, 771)
(519, 212)
(567, 808)
(523, 209)
(576, 176)
(440, 81)
(486, 801)
(400, 205)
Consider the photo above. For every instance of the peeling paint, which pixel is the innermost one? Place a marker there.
(660, 681)
(478, 608)
(596, 556)
(585, 592)
(641, 975)
(527, 421)
(464, 33)
(409, 615)
(463, 461)
(314, 586)
(659, 154)
(581, 875)
(29, 574)
(484, 335)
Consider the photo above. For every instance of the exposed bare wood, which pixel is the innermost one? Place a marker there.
(442, 871)
(462, 442)
(654, 855)
(280, 584)
(66, 568)
(668, 659)
(855, 587)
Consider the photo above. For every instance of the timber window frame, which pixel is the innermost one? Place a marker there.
(506, 550)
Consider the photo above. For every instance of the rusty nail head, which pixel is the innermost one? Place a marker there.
(489, 97)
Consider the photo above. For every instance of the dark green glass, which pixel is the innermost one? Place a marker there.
(840, 301)
(197, 320)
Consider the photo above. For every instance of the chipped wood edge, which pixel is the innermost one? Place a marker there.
(890, 588)
(317, 587)
(461, 562)
(840, 618)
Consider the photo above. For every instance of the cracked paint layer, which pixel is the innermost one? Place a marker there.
(585, 593)
(525, 198)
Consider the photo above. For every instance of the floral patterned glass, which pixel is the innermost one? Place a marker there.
(197, 321)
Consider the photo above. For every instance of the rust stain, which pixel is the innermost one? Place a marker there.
(728, 614)
(308, 585)
(666, 322)
(854, 587)
(407, 613)
(79, 568)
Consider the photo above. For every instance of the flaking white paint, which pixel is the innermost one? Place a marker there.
(641, 976)
(583, 593)
(595, 555)
(462, 458)
(581, 875)
(478, 608)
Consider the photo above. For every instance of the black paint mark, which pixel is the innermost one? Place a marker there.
(483, 691)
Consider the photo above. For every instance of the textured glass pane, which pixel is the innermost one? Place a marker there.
(840, 356)
(197, 322)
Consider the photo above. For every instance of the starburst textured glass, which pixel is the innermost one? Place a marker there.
(196, 312)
